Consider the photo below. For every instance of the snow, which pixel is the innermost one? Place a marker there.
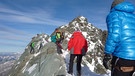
(100, 42)
(62, 26)
(17, 64)
(36, 54)
(26, 47)
(74, 22)
(82, 19)
(87, 70)
(49, 39)
(33, 67)
(69, 36)
(91, 45)
(24, 68)
(99, 60)
(84, 34)
(91, 67)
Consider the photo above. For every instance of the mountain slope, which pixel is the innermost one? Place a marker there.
(42, 62)
(46, 61)
(95, 37)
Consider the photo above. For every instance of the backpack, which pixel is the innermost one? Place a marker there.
(58, 36)
(32, 44)
(53, 38)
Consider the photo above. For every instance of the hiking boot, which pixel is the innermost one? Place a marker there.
(78, 73)
(70, 73)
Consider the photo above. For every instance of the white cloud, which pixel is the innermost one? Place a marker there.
(37, 16)
(12, 39)
(15, 38)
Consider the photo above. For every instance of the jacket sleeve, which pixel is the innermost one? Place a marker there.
(70, 44)
(113, 26)
(86, 46)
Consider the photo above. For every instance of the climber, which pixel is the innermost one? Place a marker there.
(120, 43)
(40, 46)
(77, 46)
(57, 38)
(32, 45)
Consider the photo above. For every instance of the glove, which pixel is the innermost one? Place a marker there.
(106, 61)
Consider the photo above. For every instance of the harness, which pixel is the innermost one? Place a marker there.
(123, 68)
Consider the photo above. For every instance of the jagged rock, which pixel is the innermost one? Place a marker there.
(95, 37)
(52, 64)
(45, 62)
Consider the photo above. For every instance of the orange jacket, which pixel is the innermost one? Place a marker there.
(77, 43)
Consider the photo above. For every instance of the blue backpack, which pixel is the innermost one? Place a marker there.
(53, 38)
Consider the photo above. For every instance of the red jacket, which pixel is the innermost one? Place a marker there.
(77, 44)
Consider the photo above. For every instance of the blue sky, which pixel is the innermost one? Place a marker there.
(20, 20)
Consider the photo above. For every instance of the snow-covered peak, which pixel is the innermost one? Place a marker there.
(82, 19)
(79, 21)
(47, 62)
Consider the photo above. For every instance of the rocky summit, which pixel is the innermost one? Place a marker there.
(45, 61)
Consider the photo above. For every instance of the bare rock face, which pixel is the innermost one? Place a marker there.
(96, 39)
(46, 61)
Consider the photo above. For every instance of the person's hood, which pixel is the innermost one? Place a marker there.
(76, 33)
(124, 6)
(115, 2)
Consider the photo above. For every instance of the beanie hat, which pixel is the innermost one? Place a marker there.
(115, 2)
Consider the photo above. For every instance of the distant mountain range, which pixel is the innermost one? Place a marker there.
(7, 60)
(8, 56)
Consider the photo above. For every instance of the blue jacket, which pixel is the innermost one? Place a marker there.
(121, 31)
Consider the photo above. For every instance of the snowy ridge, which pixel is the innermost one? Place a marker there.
(47, 62)
(94, 38)
(87, 69)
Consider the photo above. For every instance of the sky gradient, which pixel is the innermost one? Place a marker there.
(20, 20)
